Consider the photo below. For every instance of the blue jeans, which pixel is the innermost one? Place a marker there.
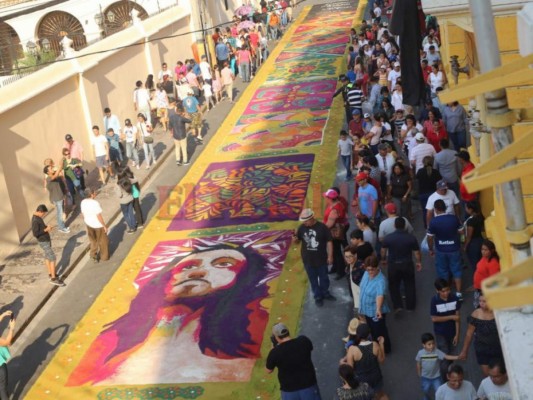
(458, 139)
(423, 198)
(129, 215)
(244, 69)
(473, 251)
(428, 384)
(347, 162)
(448, 263)
(310, 393)
(319, 280)
(59, 214)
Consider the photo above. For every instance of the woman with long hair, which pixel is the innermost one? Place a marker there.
(136, 194)
(474, 228)
(145, 131)
(124, 191)
(352, 388)
(488, 265)
(399, 189)
(427, 178)
(161, 99)
(369, 235)
(483, 331)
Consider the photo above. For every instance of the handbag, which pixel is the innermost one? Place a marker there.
(78, 172)
(337, 231)
(148, 139)
(357, 273)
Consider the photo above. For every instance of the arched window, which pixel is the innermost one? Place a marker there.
(10, 49)
(118, 15)
(58, 24)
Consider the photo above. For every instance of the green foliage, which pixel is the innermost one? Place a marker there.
(33, 62)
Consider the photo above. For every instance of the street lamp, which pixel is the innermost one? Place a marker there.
(46, 45)
(32, 47)
(99, 19)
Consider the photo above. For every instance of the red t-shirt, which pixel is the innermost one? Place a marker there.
(341, 212)
(484, 269)
(465, 195)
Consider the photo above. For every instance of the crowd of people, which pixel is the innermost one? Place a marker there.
(175, 100)
(398, 154)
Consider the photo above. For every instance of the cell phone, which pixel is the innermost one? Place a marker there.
(12, 316)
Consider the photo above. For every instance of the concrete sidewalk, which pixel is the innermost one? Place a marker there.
(24, 282)
(24, 279)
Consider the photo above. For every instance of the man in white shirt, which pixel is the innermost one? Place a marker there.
(164, 72)
(377, 14)
(385, 162)
(446, 195)
(345, 151)
(421, 150)
(101, 153)
(394, 74)
(111, 121)
(96, 227)
(496, 385)
(205, 68)
(141, 101)
(457, 388)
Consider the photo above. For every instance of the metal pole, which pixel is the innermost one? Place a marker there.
(204, 40)
(489, 59)
(513, 324)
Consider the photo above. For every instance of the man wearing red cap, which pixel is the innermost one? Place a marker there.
(367, 197)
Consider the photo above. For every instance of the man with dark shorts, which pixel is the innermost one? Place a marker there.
(41, 231)
(292, 357)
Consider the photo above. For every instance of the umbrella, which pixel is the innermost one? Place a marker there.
(245, 25)
(243, 10)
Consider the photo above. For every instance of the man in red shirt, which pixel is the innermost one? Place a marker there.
(466, 166)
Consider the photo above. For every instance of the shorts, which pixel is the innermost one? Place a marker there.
(196, 119)
(48, 252)
(448, 263)
(101, 162)
(162, 112)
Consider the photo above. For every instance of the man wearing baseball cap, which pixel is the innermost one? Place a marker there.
(317, 254)
(449, 198)
(367, 196)
(292, 357)
(420, 150)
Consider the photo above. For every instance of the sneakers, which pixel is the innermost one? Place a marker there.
(319, 302)
(64, 230)
(187, 163)
(131, 231)
(140, 227)
(57, 282)
(459, 296)
(178, 164)
(138, 167)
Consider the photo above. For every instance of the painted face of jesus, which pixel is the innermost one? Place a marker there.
(203, 273)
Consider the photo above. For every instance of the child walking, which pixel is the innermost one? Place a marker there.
(208, 95)
(428, 364)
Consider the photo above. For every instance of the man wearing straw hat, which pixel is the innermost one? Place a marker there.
(317, 254)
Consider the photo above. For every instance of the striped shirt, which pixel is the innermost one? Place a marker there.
(355, 98)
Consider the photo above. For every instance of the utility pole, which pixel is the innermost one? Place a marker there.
(514, 325)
